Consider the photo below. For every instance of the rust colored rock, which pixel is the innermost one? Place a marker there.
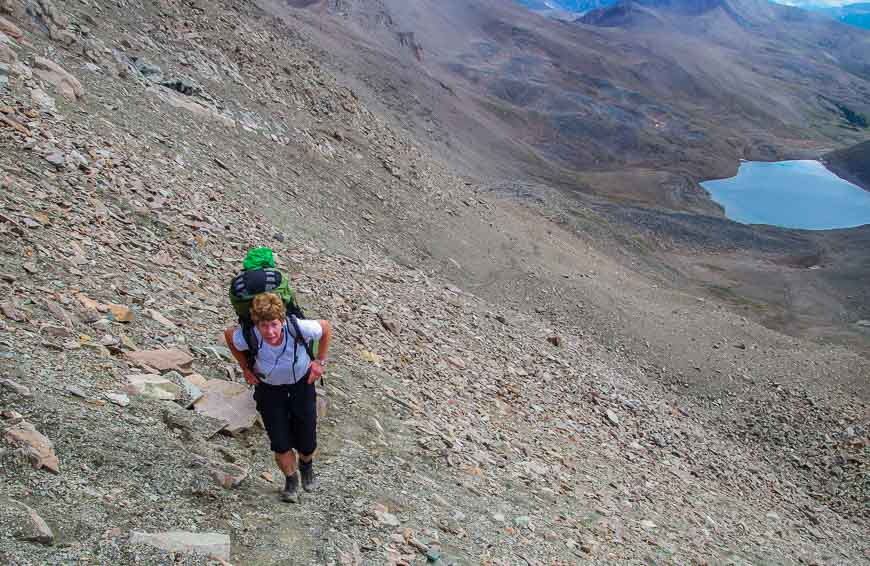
(37, 447)
(66, 85)
(163, 360)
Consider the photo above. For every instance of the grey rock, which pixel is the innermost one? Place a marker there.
(57, 159)
(147, 69)
(182, 85)
(612, 418)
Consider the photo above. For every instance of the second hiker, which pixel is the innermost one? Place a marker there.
(283, 373)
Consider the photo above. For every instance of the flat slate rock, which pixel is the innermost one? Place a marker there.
(232, 403)
(163, 360)
(206, 544)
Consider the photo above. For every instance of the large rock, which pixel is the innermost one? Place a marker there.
(23, 523)
(163, 360)
(207, 544)
(230, 402)
(66, 85)
(38, 449)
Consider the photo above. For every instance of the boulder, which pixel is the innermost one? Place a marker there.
(66, 85)
(38, 449)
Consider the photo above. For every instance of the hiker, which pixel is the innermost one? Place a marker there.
(283, 374)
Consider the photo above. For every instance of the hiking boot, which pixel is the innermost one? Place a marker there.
(290, 494)
(309, 480)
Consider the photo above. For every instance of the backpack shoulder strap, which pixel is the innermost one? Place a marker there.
(251, 340)
(298, 337)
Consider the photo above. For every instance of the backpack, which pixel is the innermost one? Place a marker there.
(250, 283)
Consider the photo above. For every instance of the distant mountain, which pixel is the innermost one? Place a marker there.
(574, 6)
(853, 14)
(856, 14)
(852, 163)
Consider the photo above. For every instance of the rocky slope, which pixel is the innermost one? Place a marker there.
(852, 163)
(483, 403)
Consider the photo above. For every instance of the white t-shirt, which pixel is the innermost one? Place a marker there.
(274, 364)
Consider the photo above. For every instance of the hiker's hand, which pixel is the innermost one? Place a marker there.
(316, 371)
(250, 377)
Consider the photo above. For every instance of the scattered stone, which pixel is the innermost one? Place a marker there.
(12, 416)
(43, 100)
(7, 55)
(12, 313)
(57, 159)
(163, 360)
(191, 421)
(22, 390)
(612, 418)
(77, 392)
(522, 521)
(118, 399)
(51, 20)
(154, 387)
(456, 362)
(182, 85)
(387, 518)
(147, 69)
(66, 85)
(23, 523)
(555, 341)
(12, 123)
(120, 313)
(389, 324)
(38, 449)
(56, 331)
(157, 317)
(11, 29)
(192, 393)
(225, 474)
(648, 525)
(206, 544)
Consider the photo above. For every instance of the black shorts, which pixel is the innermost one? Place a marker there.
(289, 413)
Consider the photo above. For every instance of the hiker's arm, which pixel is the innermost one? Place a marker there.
(240, 357)
(317, 366)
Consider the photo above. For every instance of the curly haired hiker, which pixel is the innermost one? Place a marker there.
(283, 372)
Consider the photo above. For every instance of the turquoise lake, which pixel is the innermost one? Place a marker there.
(791, 194)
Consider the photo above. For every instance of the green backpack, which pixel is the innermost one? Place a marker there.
(259, 275)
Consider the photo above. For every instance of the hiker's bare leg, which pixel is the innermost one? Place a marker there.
(287, 462)
(306, 457)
